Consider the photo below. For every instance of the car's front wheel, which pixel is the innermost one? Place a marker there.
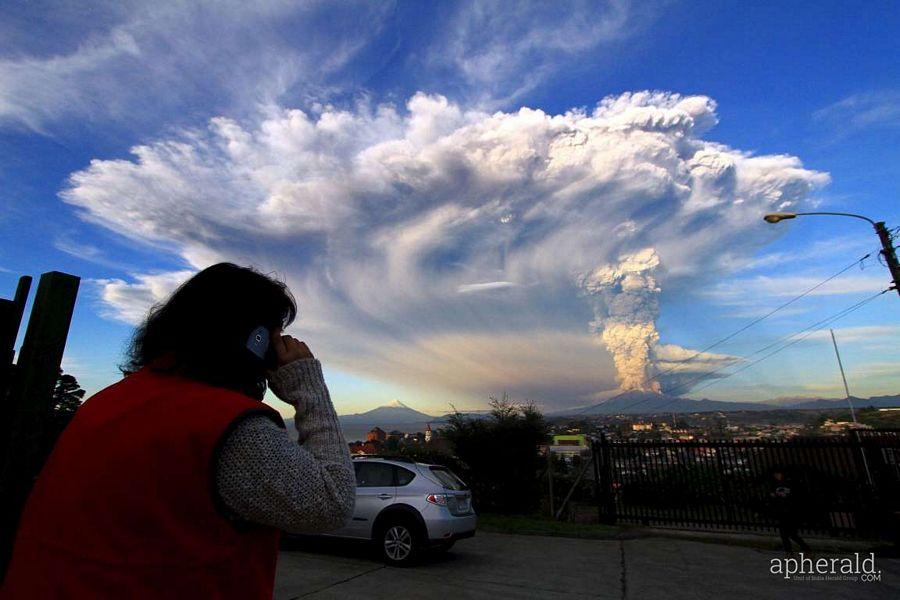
(399, 542)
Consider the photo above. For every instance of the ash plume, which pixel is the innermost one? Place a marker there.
(625, 299)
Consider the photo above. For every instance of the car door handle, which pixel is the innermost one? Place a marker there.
(385, 496)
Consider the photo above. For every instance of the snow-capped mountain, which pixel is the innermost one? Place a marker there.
(392, 413)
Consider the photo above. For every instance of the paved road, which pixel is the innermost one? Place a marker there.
(495, 566)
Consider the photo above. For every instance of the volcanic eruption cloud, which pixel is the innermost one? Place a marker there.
(454, 250)
(626, 305)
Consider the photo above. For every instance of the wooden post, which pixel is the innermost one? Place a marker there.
(45, 340)
(574, 485)
(598, 493)
(607, 502)
(550, 477)
(29, 402)
(10, 320)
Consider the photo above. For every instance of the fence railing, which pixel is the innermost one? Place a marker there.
(840, 485)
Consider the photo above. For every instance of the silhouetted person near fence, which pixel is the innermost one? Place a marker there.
(175, 481)
(784, 502)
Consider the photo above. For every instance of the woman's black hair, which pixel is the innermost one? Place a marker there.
(201, 331)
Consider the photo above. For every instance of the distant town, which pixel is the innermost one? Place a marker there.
(378, 441)
(572, 432)
(734, 426)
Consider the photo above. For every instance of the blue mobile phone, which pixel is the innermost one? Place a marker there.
(258, 342)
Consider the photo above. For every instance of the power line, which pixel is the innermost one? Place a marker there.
(743, 329)
(837, 317)
(818, 326)
(762, 318)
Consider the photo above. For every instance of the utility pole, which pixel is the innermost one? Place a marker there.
(844, 377)
(887, 239)
(862, 450)
(889, 253)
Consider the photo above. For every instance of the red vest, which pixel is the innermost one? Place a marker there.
(125, 506)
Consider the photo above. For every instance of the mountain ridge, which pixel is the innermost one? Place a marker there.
(393, 412)
(396, 413)
(649, 402)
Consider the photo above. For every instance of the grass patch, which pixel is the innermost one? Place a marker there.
(542, 525)
(536, 525)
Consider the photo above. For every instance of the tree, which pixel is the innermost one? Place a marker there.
(500, 455)
(67, 395)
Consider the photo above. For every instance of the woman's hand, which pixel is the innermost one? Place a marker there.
(292, 384)
(288, 349)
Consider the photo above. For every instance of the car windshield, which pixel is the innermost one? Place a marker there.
(448, 478)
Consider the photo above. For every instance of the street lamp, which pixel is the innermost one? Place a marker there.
(887, 245)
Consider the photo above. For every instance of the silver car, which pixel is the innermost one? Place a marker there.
(405, 507)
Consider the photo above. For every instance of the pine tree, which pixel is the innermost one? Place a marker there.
(67, 395)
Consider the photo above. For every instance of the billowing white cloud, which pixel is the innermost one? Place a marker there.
(422, 241)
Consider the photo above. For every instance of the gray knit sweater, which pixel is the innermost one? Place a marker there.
(264, 477)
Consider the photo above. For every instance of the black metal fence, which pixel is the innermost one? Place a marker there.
(841, 485)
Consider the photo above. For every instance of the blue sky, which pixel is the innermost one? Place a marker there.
(451, 228)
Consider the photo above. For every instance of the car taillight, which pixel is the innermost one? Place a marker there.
(439, 499)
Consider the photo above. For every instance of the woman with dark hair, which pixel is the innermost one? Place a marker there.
(175, 481)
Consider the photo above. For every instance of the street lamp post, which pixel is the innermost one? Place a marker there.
(887, 245)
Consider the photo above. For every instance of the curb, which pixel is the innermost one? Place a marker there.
(763, 541)
(753, 540)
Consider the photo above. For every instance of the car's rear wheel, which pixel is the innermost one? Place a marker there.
(399, 542)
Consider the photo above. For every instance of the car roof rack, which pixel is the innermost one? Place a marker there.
(385, 457)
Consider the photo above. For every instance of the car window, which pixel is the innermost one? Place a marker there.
(370, 474)
(448, 478)
(404, 476)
